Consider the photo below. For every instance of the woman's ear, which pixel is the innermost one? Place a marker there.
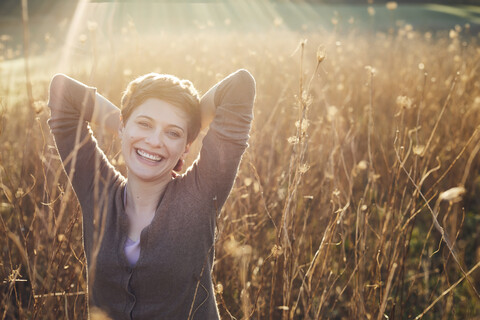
(187, 148)
(121, 126)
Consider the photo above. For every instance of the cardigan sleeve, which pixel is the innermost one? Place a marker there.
(72, 104)
(215, 169)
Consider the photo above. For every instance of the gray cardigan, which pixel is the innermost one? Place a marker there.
(172, 278)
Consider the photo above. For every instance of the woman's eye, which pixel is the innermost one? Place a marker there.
(174, 134)
(144, 124)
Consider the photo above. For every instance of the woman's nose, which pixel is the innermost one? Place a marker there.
(155, 139)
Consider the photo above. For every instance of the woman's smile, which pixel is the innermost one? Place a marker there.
(149, 156)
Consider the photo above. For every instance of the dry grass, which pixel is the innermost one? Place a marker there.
(338, 210)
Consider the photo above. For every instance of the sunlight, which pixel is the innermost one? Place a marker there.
(72, 35)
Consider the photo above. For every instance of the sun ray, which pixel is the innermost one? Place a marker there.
(77, 20)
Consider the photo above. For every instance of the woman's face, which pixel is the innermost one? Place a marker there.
(154, 138)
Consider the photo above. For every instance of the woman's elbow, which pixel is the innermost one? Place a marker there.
(246, 78)
(57, 82)
(246, 81)
(57, 89)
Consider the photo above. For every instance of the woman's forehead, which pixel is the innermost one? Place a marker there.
(161, 111)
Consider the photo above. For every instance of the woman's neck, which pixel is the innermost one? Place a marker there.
(142, 197)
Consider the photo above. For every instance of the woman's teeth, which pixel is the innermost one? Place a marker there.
(148, 156)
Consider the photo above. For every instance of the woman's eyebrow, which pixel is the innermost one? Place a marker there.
(146, 117)
(174, 125)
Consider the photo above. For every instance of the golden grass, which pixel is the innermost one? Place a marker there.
(343, 206)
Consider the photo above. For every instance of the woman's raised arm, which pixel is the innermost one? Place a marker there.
(73, 106)
(207, 107)
(237, 88)
(106, 114)
(66, 92)
(227, 109)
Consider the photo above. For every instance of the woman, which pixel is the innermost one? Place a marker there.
(149, 238)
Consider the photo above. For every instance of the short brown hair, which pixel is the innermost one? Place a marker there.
(180, 93)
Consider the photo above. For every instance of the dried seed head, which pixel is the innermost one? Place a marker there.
(303, 126)
(39, 106)
(477, 101)
(19, 193)
(453, 195)
(304, 168)
(92, 26)
(418, 149)
(371, 11)
(453, 34)
(98, 314)
(371, 69)
(234, 248)
(293, 140)
(321, 54)
(392, 5)
(260, 261)
(277, 21)
(281, 193)
(404, 102)
(231, 246)
(5, 37)
(332, 112)
(277, 251)
(362, 165)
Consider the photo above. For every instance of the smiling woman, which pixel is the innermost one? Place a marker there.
(149, 237)
(154, 139)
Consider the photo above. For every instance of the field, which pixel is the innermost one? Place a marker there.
(358, 197)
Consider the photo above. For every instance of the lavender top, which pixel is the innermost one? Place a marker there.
(132, 248)
(132, 251)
